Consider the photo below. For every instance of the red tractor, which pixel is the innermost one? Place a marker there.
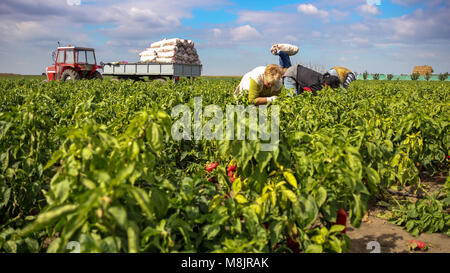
(73, 63)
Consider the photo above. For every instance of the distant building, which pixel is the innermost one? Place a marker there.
(423, 70)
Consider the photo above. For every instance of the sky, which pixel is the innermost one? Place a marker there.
(232, 37)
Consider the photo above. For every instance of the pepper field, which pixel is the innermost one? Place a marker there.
(94, 162)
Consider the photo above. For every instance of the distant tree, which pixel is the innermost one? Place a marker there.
(365, 75)
(390, 77)
(415, 76)
(376, 76)
(443, 77)
(427, 76)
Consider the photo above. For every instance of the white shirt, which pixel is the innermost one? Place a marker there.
(257, 74)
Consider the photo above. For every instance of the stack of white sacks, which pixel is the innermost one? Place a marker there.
(171, 51)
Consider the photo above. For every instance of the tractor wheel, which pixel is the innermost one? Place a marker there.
(161, 80)
(97, 75)
(70, 75)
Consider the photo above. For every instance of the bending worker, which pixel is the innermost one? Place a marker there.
(299, 78)
(345, 75)
(263, 84)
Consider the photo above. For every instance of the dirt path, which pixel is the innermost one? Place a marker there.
(393, 238)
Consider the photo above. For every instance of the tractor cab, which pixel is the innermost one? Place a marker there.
(73, 63)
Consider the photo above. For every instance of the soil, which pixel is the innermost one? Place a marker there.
(393, 238)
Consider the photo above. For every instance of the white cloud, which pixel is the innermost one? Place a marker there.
(73, 2)
(135, 51)
(338, 14)
(369, 9)
(374, 2)
(217, 32)
(276, 19)
(244, 33)
(310, 9)
(359, 27)
(425, 55)
(415, 2)
(118, 28)
(291, 38)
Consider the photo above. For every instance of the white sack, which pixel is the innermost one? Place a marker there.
(158, 44)
(167, 48)
(166, 54)
(146, 59)
(148, 52)
(291, 50)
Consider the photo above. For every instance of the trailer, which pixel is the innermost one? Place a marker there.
(153, 71)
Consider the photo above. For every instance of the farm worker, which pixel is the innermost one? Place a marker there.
(262, 83)
(345, 75)
(284, 51)
(285, 60)
(298, 79)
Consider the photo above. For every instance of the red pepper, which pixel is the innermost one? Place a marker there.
(420, 245)
(34, 211)
(448, 157)
(232, 168)
(293, 245)
(232, 179)
(307, 89)
(417, 244)
(211, 166)
(342, 219)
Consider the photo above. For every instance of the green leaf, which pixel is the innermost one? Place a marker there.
(47, 217)
(337, 228)
(32, 245)
(314, 249)
(240, 199)
(276, 232)
(142, 199)
(290, 196)
(371, 149)
(373, 179)
(86, 153)
(133, 237)
(357, 211)
(159, 203)
(290, 178)
(119, 214)
(154, 137)
(307, 212)
(61, 190)
(263, 158)
(321, 196)
(395, 160)
(55, 157)
(211, 231)
(10, 246)
(5, 197)
(216, 201)
(55, 246)
(236, 186)
(335, 244)
(413, 213)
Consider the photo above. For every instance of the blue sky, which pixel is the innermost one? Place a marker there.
(232, 37)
